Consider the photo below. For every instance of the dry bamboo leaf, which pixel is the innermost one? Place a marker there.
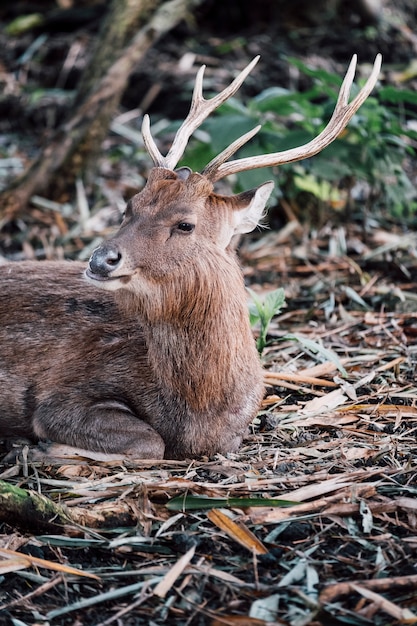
(239, 620)
(389, 410)
(57, 567)
(313, 491)
(265, 608)
(322, 369)
(295, 387)
(409, 504)
(405, 616)
(346, 509)
(354, 453)
(57, 454)
(239, 532)
(391, 364)
(327, 420)
(270, 400)
(325, 403)
(268, 515)
(336, 590)
(411, 541)
(207, 570)
(170, 577)
(273, 377)
(14, 564)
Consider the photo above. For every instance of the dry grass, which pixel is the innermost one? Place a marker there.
(205, 542)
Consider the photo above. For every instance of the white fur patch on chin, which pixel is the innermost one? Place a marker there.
(111, 284)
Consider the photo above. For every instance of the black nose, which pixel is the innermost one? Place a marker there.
(104, 260)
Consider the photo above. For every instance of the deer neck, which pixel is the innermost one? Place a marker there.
(203, 345)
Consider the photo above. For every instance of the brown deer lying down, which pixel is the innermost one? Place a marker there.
(147, 352)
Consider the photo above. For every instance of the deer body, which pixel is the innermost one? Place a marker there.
(94, 384)
(147, 352)
(167, 361)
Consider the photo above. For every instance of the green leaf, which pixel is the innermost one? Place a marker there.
(274, 301)
(253, 315)
(223, 134)
(193, 503)
(256, 299)
(321, 75)
(395, 95)
(263, 311)
(70, 542)
(321, 189)
(24, 23)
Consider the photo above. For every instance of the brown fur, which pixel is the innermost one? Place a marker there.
(160, 361)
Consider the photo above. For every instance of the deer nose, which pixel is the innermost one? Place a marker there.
(104, 260)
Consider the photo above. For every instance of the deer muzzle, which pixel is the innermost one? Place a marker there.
(105, 260)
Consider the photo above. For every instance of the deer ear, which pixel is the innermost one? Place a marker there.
(183, 173)
(250, 208)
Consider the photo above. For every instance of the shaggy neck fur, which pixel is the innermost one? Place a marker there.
(199, 339)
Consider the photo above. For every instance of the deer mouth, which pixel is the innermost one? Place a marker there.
(99, 278)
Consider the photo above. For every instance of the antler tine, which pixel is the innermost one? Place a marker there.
(229, 151)
(343, 112)
(200, 109)
(150, 144)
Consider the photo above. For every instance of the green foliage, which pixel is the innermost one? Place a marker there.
(263, 310)
(23, 24)
(372, 149)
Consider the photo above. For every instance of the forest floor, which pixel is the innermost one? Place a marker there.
(209, 541)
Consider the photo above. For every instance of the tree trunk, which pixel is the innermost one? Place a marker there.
(74, 147)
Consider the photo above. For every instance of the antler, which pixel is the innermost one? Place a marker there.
(218, 168)
(343, 112)
(200, 109)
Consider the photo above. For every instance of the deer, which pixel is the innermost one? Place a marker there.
(146, 352)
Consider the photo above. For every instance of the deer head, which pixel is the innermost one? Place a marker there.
(178, 217)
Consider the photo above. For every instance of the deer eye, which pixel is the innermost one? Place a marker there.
(185, 227)
(127, 213)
